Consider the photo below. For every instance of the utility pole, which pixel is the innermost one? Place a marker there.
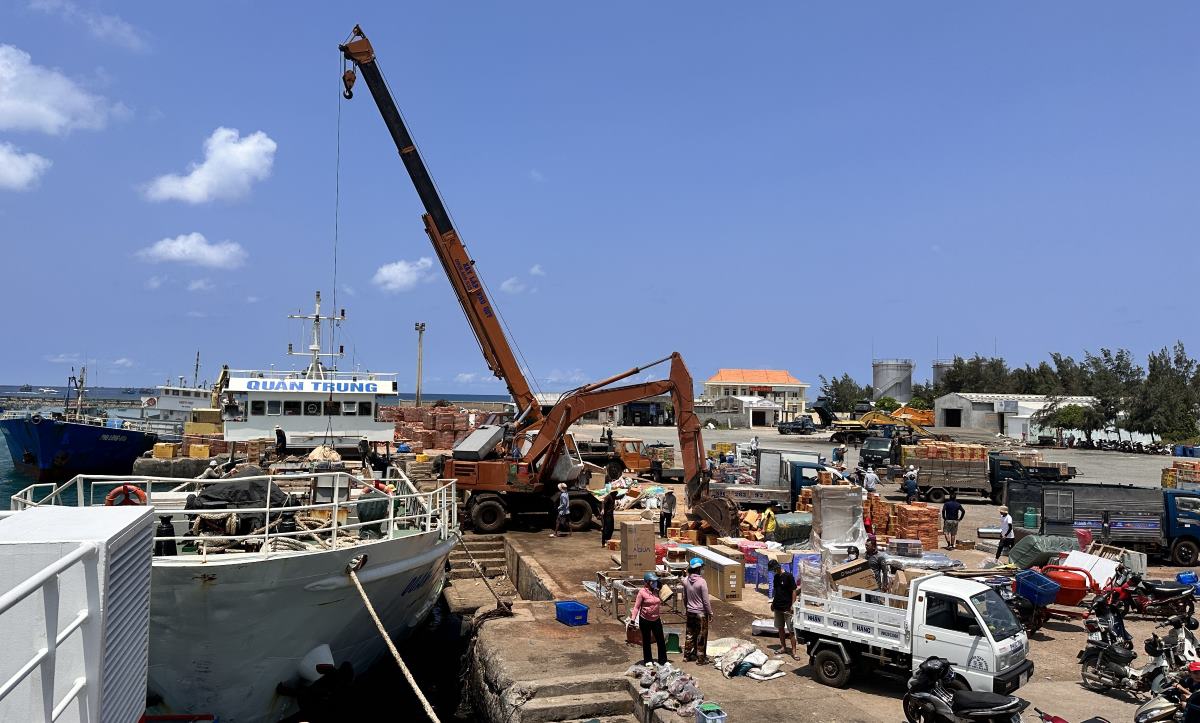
(420, 329)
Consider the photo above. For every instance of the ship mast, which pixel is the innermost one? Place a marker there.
(316, 370)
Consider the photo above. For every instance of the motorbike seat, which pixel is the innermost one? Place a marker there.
(974, 700)
(1167, 587)
(1120, 654)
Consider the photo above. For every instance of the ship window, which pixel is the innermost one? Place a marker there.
(258, 408)
(274, 406)
(311, 409)
(349, 408)
(364, 409)
(332, 409)
(291, 408)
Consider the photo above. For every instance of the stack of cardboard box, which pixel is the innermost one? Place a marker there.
(637, 546)
(918, 522)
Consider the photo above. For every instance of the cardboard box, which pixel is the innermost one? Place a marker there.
(856, 573)
(199, 451)
(164, 450)
(692, 536)
(725, 575)
(637, 546)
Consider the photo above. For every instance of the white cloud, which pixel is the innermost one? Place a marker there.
(402, 275)
(200, 285)
(154, 282)
(512, 285)
(537, 270)
(475, 378)
(123, 362)
(252, 299)
(193, 248)
(109, 28)
(348, 290)
(20, 171)
(196, 315)
(36, 98)
(563, 376)
(536, 175)
(231, 164)
(63, 358)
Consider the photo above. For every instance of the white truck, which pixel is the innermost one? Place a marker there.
(960, 620)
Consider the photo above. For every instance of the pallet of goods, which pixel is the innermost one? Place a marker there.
(917, 522)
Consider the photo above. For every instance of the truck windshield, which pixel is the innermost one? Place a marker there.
(877, 443)
(1000, 621)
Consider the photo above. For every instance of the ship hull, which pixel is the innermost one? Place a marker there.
(224, 633)
(50, 450)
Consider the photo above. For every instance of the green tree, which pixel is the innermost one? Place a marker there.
(887, 404)
(1166, 403)
(1113, 380)
(842, 392)
(920, 403)
(1079, 417)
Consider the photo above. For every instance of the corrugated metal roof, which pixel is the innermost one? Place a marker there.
(1032, 398)
(770, 377)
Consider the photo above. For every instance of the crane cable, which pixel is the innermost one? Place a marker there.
(391, 646)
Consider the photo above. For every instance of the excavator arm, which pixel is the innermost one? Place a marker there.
(450, 250)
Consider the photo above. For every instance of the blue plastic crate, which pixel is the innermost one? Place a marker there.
(569, 612)
(710, 713)
(1187, 577)
(1036, 587)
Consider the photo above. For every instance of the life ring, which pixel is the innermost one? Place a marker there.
(151, 401)
(383, 487)
(125, 495)
(36, 419)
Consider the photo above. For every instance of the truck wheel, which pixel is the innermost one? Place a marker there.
(837, 438)
(936, 495)
(615, 469)
(581, 515)
(829, 669)
(488, 516)
(1185, 553)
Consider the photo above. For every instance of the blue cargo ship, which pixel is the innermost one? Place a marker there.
(53, 450)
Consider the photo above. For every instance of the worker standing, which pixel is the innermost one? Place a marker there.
(870, 480)
(666, 513)
(769, 523)
(647, 608)
(1008, 536)
(754, 444)
(782, 603)
(909, 485)
(280, 442)
(562, 521)
(896, 450)
(699, 613)
(877, 562)
(839, 453)
(608, 510)
(952, 514)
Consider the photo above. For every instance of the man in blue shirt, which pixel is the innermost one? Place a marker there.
(562, 521)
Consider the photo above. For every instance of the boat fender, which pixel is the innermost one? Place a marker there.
(125, 495)
(36, 419)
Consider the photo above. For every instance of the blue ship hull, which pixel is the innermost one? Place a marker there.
(51, 450)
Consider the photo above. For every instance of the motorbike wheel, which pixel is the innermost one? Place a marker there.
(912, 710)
(1159, 683)
(1037, 620)
(1089, 673)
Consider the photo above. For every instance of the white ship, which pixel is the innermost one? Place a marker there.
(239, 607)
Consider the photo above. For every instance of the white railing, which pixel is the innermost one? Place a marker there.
(407, 508)
(43, 660)
(161, 428)
(326, 375)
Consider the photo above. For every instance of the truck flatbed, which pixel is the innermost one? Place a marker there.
(881, 625)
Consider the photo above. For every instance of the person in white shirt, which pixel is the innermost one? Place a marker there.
(1008, 536)
(871, 481)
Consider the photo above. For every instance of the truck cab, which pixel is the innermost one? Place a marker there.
(1181, 525)
(876, 452)
(961, 620)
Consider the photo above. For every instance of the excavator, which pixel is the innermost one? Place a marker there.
(515, 467)
(856, 430)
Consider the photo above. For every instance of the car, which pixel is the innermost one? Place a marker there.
(801, 425)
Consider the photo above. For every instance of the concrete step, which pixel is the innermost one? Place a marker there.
(493, 547)
(606, 719)
(584, 705)
(470, 572)
(469, 539)
(487, 560)
(575, 685)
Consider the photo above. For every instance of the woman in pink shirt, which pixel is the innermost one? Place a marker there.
(647, 608)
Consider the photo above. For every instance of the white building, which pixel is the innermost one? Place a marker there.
(1007, 414)
(774, 385)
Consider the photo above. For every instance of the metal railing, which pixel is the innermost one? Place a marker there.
(159, 427)
(327, 375)
(46, 581)
(407, 508)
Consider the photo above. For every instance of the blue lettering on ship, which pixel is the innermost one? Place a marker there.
(416, 583)
(272, 385)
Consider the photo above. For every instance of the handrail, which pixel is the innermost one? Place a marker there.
(21, 591)
(326, 375)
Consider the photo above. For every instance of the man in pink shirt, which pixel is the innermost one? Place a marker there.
(647, 608)
(699, 613)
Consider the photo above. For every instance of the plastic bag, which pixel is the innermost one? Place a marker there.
(636, 670)
(770, 667)
(756, 658)
(647, 679)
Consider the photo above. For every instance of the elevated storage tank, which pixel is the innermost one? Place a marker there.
(892, 378)
(940, 367)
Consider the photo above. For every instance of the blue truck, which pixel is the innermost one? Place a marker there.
(1154, 520)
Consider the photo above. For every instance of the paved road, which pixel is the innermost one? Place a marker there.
(1142, 470)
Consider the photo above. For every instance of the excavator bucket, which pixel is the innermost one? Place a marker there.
(720, 513)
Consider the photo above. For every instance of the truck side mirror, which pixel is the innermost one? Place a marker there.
(973, 630)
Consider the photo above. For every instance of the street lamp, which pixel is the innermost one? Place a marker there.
(420, 329)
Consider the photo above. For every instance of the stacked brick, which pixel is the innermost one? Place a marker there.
(428, 428)
(916, 522)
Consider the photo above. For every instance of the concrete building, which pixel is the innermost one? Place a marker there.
(1006, 414)
(739, 412)
(651, 411)
(774, 385)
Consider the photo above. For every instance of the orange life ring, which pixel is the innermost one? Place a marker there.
(125, 495)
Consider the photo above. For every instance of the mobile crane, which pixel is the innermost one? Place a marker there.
(514, 468)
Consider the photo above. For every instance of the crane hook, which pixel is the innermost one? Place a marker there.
(348, 79)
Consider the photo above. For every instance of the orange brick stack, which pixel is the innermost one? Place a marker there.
(880, 512)
(430, 428)
(1185, 470)
(917, 522)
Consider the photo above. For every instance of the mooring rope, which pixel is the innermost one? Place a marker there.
(388, 639)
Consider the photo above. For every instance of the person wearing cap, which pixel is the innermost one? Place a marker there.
(280, 441)
(909, 486)
(870, 480)
(608, 510)
(666, 513)
(1008, 536)
(1190, 687)
(699, 613)
(782, 602)
(562, 522)
(768, 522)
(952, 514)
(839, 453)
(647, 610)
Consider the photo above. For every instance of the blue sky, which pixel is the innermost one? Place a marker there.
(792, 186)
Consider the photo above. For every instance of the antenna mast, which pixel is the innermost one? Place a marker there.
(316, 370)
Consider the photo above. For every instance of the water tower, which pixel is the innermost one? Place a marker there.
(940, 367)
(892, 378)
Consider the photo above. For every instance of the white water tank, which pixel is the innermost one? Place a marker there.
(940, 367)
(892, 378)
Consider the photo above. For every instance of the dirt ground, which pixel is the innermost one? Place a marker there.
(1054, 688)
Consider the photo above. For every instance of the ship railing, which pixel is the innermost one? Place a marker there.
(328, 376)
(46, 582)
(407, 509)
(165, 429)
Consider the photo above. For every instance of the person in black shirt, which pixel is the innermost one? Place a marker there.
(1190, 700)
(952, 514)
(781, 604)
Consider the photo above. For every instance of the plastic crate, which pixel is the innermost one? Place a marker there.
(710, 713)
(1036, 587)
(1187, 577)
(569, 612)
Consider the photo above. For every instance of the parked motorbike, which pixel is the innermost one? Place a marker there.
(1105, 661)
(1045, 717)
(1161, 708)
(1031, 616)
(1154, 598)
(933, 698)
